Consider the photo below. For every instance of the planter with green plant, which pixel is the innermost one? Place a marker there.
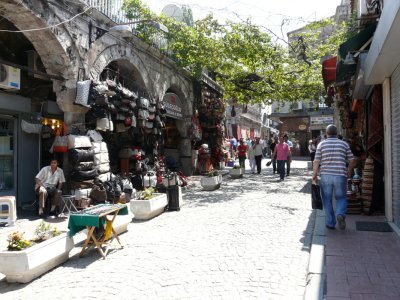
(211, 181)
(236, 172)
(24, 259)
(149, 204)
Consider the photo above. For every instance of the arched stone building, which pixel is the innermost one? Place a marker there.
(56, 36)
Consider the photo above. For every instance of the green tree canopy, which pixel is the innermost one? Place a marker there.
(248, 62)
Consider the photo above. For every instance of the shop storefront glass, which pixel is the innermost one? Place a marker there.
(6, 155)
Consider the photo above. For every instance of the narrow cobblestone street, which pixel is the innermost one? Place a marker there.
(249, 239)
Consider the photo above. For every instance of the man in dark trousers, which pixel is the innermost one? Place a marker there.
(242, 153)
(289, 159)
(332, 155)
(49, 182)
(272, 148)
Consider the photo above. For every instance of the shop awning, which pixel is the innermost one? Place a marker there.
(329, 70)
(361, 89)
(345, 72)
(250, 117)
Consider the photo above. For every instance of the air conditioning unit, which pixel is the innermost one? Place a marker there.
(312, 104)
(10, 77)
(298, 105)
(35, 63)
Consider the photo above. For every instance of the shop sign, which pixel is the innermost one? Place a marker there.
(302, 127)
(6, 127)
(322, 120)
(173, 105)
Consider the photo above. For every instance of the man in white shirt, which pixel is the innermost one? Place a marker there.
(49, 182)
(258, 154)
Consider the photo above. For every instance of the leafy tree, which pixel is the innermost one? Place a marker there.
(248, 63)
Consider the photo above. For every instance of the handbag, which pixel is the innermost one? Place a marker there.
(111, 84)
(94, 135)
(143, 103)
(82, 93)
(31, 127)
(99, 112)
(99, 147)
(316, 201)
(125, 152)
(78, 141)
(80, 155)
(98, 194)
(143, 114)
(83, 166)
(60, 144)
(102, 100)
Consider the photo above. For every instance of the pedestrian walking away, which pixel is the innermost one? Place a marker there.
(258, 153)
(242, 151)
(250, 156)
(282, 152)
(273, 157)
(311, 148)
(233, 146)
(331, 156)
(289, 159)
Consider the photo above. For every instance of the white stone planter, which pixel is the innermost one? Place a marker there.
(24, 266)
(121, 223)
(147, 209)
(236, 173)
(211, 183)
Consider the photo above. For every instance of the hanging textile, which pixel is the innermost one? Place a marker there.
(375, 126)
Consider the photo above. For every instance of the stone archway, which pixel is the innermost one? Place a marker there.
(56, 47)
(100, 59)
(185, 147)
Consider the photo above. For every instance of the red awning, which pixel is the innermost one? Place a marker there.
(329, 70)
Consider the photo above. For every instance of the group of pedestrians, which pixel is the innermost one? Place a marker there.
(253, 150)
(332, 159)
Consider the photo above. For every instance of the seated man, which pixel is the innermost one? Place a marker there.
(49, 183)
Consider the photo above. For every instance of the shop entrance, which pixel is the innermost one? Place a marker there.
(173, 129)
(7, 182)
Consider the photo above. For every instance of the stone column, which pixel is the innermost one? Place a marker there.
(73, 114)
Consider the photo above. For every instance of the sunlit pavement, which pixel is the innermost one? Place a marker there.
(248, 239)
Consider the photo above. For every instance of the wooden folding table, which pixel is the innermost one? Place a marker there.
(95, 217)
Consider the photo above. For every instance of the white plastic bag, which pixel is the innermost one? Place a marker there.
(31, 127)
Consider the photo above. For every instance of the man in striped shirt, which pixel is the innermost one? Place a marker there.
(332, 155)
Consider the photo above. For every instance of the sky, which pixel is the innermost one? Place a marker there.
(271, 14)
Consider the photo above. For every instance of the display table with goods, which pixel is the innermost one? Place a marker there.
(211, 181)
(149, 204)
(26, 259)
(94, 219)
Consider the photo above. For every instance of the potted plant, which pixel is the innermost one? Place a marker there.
(149, 204)
(24, 259)
(211, 181)
(236, 172)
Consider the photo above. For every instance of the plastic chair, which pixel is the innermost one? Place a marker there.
(11, 213)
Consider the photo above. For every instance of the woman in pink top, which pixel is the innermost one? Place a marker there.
(282, 151)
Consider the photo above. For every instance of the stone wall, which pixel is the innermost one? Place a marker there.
(64, 50)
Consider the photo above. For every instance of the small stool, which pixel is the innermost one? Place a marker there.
(11, 214)
(68, 203)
